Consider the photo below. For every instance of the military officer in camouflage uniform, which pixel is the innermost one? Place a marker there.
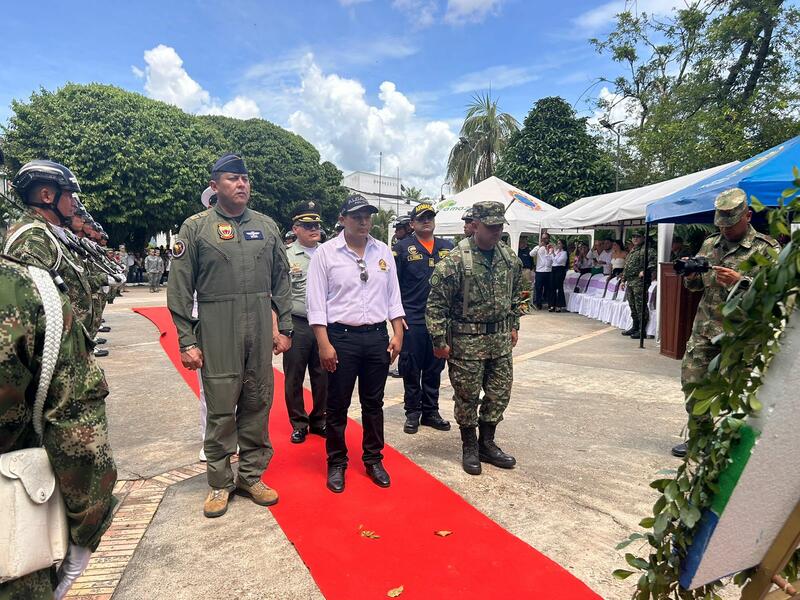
(39, 238)
(234, 258)
(736, 241)
(633, 276)
(75, 433)
(473, 315)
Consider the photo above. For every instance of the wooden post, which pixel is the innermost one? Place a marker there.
(779, 553)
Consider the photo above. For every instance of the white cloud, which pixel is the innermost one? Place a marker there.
(333, 114)
(422, 13)
(167, 80)
(496, 78)
(137, 72)
(619, 111)
(460, 12)
(603, 15)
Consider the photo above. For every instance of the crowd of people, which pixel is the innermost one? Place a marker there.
(239, 294)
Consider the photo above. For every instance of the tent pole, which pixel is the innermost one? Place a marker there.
(645, 287)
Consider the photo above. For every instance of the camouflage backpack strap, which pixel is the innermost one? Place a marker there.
(54, 326)
(505, 252)
(466, 260)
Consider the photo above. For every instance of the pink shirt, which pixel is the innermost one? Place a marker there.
(336, 294)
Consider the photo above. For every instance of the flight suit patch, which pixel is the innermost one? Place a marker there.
(225, 231)
(178, 249)
(253, 234)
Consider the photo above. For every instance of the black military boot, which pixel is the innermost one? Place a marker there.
(631, 330)
(488, 450)
(470, 460)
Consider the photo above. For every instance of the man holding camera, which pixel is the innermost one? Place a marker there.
(736, 241)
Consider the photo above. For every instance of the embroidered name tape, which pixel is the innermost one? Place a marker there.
(253, 235)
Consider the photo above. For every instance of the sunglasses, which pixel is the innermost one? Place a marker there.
(309, 226)
(363, 266)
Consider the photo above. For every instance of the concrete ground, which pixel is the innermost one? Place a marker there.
(591, 420)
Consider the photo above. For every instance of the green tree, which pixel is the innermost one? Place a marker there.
(484, 136)
(142, 164)
(715, 82)
(554, 157)
(380, 224)
(412, 194)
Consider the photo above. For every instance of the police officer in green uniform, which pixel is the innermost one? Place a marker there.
(304, 353)
(75, 430)
(736, 241)
(234, 258)
(473, 315)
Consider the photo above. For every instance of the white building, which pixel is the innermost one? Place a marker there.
(381, 191)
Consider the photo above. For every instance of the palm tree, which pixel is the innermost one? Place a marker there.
(380, 224)
(484, 136)
(412, 193)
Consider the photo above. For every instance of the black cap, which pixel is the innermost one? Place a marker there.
(421, 209)
(229, 163)
(402, 221)
(356, 202)
(306, 212)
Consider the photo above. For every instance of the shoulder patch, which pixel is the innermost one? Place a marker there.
(178, 249)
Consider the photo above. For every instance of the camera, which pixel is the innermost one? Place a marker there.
(695, 264)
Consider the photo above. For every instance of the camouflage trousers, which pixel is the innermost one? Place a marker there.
(694, 368)
(36, 586)
(633, 294)
(468, 377)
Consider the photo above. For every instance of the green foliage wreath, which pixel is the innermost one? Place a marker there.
(754, 322)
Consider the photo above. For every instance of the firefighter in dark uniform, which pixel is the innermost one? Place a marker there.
(416, 256)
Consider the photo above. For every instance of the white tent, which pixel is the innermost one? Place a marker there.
(619, 207)
(524, 212)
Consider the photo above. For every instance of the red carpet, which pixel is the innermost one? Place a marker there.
(479, 560)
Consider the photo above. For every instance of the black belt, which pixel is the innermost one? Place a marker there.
(473, 328)
(301, 318)
(357, 328)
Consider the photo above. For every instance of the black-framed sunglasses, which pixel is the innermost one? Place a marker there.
(363, 266)
(309, 226)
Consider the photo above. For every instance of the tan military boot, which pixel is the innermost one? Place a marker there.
(258, 492)
(216, 503)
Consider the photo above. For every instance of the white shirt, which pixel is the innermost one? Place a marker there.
(335, 292)
(560, 258)
(544, 260)
(604, 258)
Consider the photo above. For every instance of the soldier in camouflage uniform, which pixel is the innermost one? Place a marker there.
(473, 315)
(75, 427)
(39, 236)
(633, 276)
(736, 241)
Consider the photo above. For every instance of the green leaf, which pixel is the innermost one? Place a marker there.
(661, 523)
(636, 562)
(690, 515)
(631, 538)
(621, 574)
(671, 491)
(755, 204)
(647, 522)
(701, 408)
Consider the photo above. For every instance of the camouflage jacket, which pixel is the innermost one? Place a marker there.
(75, 427)
(634, 264)
(34, 241)
(494, 297)
(708, 321)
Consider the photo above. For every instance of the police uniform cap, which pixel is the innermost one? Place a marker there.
(489, 212)
(421, 209)
(306, 212)
(229, 163)
(729, 207)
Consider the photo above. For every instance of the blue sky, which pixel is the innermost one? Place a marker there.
(355, 77)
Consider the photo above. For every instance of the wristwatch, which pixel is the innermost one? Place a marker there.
(289, 333)
(187, 348)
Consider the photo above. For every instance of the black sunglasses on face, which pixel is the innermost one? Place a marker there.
(309, 226)
(363, 266)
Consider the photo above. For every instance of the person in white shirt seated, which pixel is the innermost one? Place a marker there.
(558, 301)
(604, 257)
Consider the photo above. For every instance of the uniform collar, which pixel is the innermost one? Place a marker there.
(298, 248)
(245, 216)
(746, 242)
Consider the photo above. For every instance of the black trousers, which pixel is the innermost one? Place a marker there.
(362, 355)
(557, 298)
(541, 285)
(421, 372)
(303, 354)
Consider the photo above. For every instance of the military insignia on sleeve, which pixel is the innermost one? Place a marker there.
(382, 265)
(178, 249)
(443, 253)
(436, 279)
(225, 231)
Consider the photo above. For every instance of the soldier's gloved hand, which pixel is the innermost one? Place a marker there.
(442, 352)
(74, 565)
